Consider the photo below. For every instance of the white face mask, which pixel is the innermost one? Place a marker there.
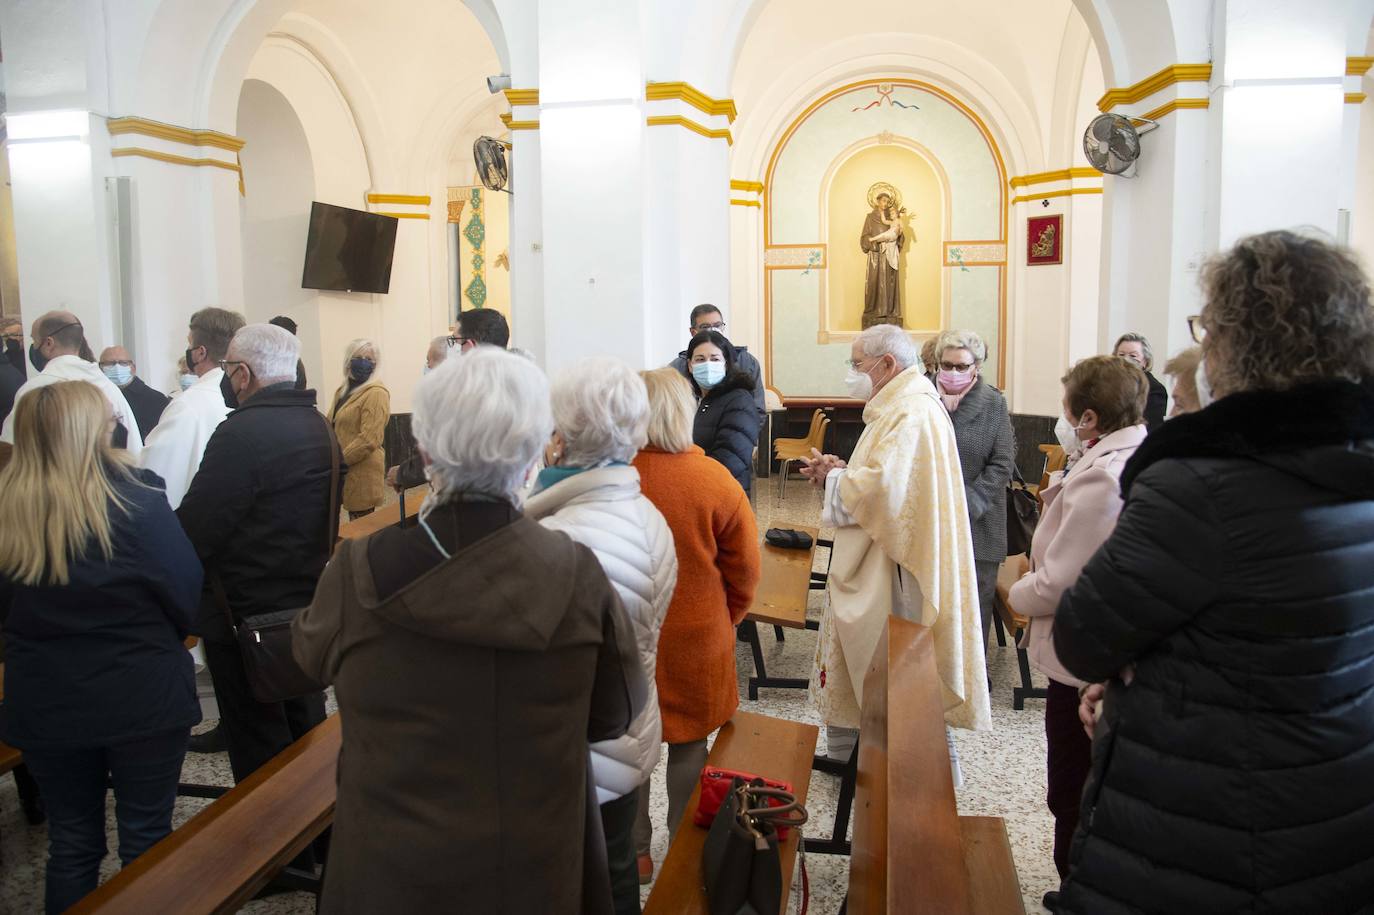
(1067, 436)
(1204, 387)
(858, 384)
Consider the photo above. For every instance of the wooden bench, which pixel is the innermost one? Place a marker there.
(751, 743)
(785, 581)
(912, 852)
(1016, 624)
(385, 516)
(231, 849)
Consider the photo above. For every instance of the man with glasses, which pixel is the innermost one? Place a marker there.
(257, 513)
(59, 353)
(479, 327)
(708, 317)
(147, 404)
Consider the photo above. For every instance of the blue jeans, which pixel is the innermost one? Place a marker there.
(145, 774)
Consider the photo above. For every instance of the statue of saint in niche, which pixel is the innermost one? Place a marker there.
(882, 241)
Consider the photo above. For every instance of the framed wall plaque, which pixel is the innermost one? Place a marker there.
(1045, 240)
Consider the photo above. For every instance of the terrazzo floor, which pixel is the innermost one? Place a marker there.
(1003, 769)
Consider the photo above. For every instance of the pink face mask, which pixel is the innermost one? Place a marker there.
(954, 382)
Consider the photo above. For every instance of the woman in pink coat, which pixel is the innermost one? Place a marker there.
(1104, 402)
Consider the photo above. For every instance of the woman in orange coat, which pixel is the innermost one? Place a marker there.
(717, 545)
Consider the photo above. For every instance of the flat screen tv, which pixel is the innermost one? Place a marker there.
(348, 250)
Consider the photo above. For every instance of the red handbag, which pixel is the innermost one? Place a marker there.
(716, 783)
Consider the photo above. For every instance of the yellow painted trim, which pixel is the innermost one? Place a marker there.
(1063, 174)
(659, 92)
(755, 186)
(1358, 66)
(1178, 73)
(512, 124)
(668, 120)
(172, 159)
(413, 199)
(403, 215)
(1355, 98)
(1067, 192)
(1173, 105)
(175, 134)
(735, 202)
(522, 96)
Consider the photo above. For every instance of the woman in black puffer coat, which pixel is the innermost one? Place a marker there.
(1236, 597)
(727, 422)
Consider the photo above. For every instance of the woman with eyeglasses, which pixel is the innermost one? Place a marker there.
(1136, 348)
(1231, 612)
(97, 586)
(362, 407)
(987, 452)
(726, 425)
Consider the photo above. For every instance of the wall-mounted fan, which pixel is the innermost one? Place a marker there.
(1112, 142)
(490, 156)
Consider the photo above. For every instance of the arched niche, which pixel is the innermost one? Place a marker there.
(804, 356)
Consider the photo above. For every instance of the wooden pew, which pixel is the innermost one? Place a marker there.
(785, 580)
(231, 849)
(752, 743)
(912, 853)
(385, 516)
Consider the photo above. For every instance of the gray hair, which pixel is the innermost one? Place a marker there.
(1144, 347)
(601, 408)
(482, 420)
(961, 339)
(889, 340)
(269, 351)
(437, 345)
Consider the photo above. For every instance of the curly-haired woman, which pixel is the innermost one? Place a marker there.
(1232, 773)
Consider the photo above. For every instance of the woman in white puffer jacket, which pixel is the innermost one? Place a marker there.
(589, 491)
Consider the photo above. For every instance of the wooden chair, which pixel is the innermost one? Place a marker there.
(1055, 460)
(788, 450)
(1011, 570)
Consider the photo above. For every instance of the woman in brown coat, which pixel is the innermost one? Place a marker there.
(473, 658)
(362, 406)
(717, 546)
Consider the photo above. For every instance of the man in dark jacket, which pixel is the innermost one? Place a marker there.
(146, 403)
(257, 513)
(707, 317)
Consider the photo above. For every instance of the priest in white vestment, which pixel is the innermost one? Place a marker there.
(58, 352)
(902, 542)
(174, 449)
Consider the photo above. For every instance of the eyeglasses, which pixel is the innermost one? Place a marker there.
(124, 362)
(718, 327)
(455, 340)
(959, 367)
(1196, 329)
(225, 364)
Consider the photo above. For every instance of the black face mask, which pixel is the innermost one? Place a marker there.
(190, 360)
(226, 390)
(37, 357)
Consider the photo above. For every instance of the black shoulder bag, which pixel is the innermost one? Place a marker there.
(741, 868)
(264, 639)
(1023, 514)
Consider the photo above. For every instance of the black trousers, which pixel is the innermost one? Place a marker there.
(1070, 758)
(618, 821)
(255, 731)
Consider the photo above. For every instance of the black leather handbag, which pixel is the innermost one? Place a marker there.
(264, 639)
(740, 865)
(1023, 514)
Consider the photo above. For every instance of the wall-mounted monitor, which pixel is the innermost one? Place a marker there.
(348, 250)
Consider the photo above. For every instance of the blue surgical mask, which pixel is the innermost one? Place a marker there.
(708, 374)
(360, 369)
(186, 380)
(119, 374)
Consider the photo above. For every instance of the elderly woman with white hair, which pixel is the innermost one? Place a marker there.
(1136, 348)
(473, 657)
(902, 542)
(987, 451)
(589, 491)
(362, 407)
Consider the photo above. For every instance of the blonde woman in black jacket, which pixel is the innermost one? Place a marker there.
(726, 426)
(1236, 595)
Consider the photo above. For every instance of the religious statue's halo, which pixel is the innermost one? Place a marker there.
(882, 187)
